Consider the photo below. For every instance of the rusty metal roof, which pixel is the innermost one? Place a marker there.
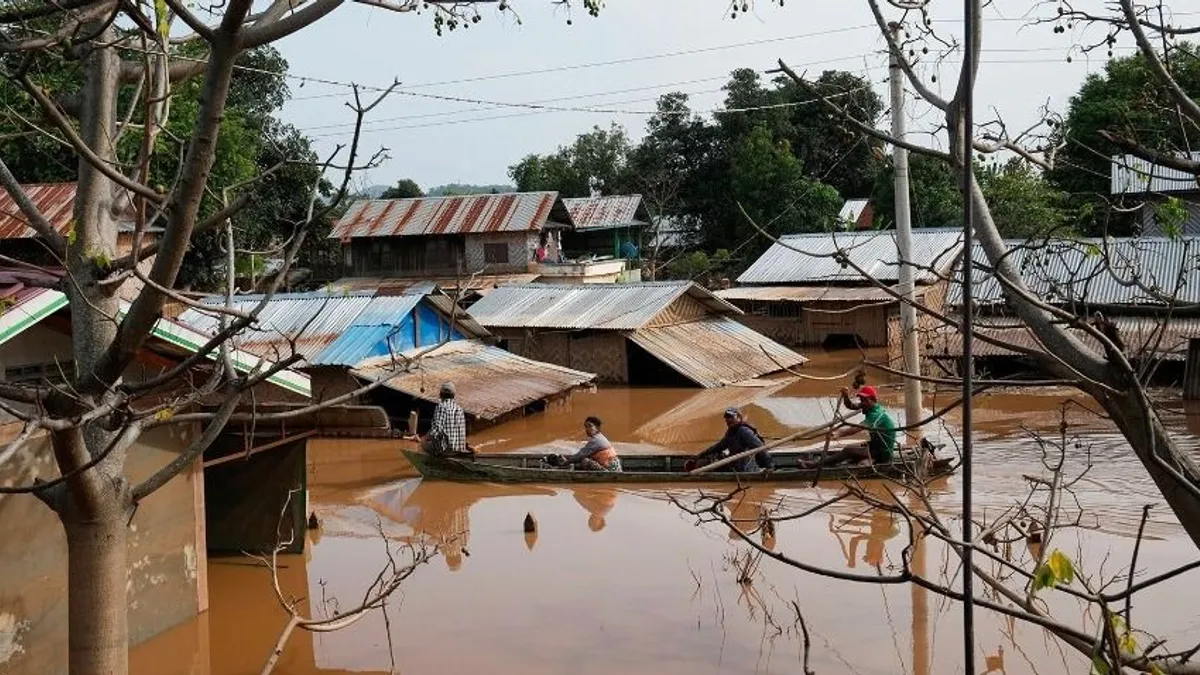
(56, 202)
(1114, 271)
(1134, 175)
(715, 351)
(1141, 335)
(588, 306)
(607, 212)
(809, 258)
(489, 381)
(808, 294)
(460, 214)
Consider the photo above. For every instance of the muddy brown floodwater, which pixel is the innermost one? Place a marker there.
(622, 581)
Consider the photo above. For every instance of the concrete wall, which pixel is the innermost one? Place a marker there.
(521, 247)
(167, 560)
(245, 496)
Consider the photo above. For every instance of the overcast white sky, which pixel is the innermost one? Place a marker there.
(437, 141)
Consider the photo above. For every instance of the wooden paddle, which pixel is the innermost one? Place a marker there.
(799, 435)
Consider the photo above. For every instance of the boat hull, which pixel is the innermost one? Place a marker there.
(525, 468)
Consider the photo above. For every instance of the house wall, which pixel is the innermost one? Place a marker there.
(810, 324)
(521, 247)
(37, 347)
(600, 352)
(932, 297)
(167, 556)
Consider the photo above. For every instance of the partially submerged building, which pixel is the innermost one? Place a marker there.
(487, 234)
(607, 233)
(672, 332)
(800, 293)
(1139, 284)
(345, 340)
(492, 385)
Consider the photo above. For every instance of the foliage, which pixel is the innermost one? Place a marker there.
(451, 189)
(1022, 202)
(1057, 570)
(405, 188)
(1126, 100)
(699, 266)
(251, 141)
(596, 160)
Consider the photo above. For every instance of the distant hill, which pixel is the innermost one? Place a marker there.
(373, 192)
(465, 189)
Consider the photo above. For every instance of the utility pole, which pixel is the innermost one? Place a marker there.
(908, 312)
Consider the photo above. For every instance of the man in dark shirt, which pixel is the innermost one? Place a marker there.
(739, 437)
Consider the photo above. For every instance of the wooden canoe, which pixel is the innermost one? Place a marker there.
(529, 468)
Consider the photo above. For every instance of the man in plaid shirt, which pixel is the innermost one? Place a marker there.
(448, 435)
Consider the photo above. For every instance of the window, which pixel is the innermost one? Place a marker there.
(495, 253)
(53, 373)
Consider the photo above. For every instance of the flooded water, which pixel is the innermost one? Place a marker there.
(624, 581)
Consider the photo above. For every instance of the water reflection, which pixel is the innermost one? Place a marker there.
(619, 580)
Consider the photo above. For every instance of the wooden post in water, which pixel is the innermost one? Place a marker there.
(1191, 371)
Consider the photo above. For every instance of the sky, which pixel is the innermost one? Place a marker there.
(465, 110)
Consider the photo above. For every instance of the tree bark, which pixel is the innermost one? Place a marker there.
(97, 576)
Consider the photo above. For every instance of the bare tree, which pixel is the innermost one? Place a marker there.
(139, 54)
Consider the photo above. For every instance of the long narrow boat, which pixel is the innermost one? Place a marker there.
(531, 468)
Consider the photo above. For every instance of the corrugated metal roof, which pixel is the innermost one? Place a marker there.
(587, 306)
(809, 258)
(374, 329)
(606, 212)
(313, 320)
(1140, 335)
(716, 351)
(56, 202)
(808, 294)
(1134, 175)
(461, 214)
(489, 381)
(1094, 271)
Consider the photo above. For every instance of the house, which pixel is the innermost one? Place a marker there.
(607, 234)
(1143, 285)
(345, 340)
(798, 292)
(466, 289)
(1134, 178)
(461, 236)
(671, 332)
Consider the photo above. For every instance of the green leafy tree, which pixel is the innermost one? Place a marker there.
(597, 158)
(1125, 100)
(406, 188)
(1023, 203)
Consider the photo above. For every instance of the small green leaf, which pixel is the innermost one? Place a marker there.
(1099, 665)
(1043, 578)
(1155, 670)
(1092, 250)
(72, 234)
(1128, 644)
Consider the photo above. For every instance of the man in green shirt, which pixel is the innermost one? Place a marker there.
(881, 442)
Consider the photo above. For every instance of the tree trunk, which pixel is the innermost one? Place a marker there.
(1135, 416)
(97, 577)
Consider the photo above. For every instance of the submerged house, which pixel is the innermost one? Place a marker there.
(346, 340)
(1149, 186)
(672, 332)
(799, 293)
(1138, 284)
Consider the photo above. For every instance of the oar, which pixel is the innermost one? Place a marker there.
(799, 435)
